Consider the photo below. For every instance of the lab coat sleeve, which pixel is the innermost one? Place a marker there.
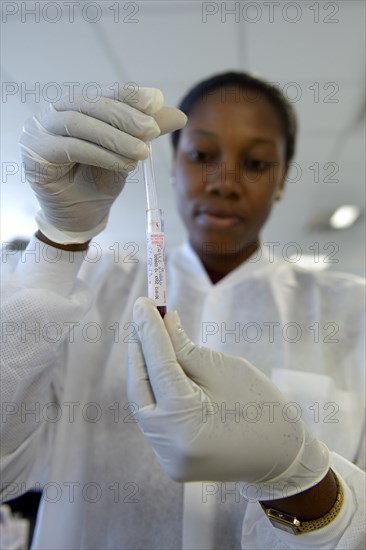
(41, 300)
(346, 532)
(360, 459)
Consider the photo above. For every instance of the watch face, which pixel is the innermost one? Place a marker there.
(283, 521)
(284, 526)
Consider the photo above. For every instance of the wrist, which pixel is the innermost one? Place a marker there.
(310, 504)
(65, 237)
(75, 247)
(308, 511)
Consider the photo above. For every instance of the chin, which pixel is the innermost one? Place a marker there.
(222, 243)
(212, 246)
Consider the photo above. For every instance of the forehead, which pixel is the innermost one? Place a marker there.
(235, 110)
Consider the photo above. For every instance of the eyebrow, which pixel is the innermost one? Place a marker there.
(213, 134)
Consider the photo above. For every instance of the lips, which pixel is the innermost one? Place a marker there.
(217, 218)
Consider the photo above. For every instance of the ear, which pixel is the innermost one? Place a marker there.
(279, 194)
(172, 177)
(281, 188)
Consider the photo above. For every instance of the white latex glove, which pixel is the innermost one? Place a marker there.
(77, 155)
(190, 427)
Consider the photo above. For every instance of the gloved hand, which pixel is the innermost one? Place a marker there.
(77, 155)
(216, 417)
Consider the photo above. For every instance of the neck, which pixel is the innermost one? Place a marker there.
(225, 263)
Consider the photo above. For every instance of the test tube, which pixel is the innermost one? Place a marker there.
(156, 277)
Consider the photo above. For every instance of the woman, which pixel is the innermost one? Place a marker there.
(230, 165)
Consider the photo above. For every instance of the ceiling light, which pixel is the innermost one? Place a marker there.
(344, 216)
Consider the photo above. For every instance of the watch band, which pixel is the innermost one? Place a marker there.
(287, 522)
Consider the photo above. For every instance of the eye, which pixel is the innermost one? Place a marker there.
(200, 156)
(257, 165)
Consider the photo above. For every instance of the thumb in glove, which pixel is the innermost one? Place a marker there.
(211, 416)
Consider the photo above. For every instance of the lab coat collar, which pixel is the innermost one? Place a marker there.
(190, 263)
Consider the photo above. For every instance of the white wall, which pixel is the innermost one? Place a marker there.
(171, 45)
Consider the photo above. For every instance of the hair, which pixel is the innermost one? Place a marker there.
(245, 81)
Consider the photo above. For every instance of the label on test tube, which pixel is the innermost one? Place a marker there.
(156, 268)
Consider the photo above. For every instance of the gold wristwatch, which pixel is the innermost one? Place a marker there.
(291, 524)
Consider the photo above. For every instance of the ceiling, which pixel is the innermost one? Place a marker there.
(313, 50)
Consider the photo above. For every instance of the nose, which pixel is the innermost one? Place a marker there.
(223, 179)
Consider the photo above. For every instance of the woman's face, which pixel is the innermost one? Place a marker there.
(229, 167)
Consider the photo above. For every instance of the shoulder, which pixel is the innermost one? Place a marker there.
(325, 279)
(336, 289)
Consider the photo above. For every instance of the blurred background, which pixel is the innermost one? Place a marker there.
(314, 51)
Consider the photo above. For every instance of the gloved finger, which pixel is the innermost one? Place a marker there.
(73, 124)
(116, 114)
(197, 362)
(168, 381)
(138, 384)
(149, 101)
(146, 100)
(170, 119)
(60, 150)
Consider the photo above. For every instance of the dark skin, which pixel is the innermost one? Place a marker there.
(230, 168)
(229, 164)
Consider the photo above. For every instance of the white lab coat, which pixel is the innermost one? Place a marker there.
(65, 342)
